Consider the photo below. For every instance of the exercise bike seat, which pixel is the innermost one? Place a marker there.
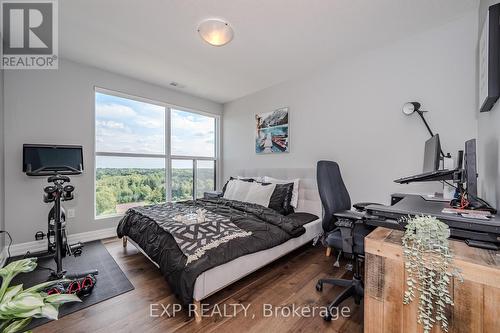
(52, 179)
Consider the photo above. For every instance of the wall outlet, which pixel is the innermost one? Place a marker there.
(71, 213)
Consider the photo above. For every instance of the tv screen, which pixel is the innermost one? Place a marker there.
(42, 160)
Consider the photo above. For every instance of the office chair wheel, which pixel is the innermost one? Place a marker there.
(319, 286)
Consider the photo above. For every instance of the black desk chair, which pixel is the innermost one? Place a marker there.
(344, 228)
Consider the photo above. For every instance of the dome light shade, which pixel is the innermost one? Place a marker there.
(215, 32)
(410, 107)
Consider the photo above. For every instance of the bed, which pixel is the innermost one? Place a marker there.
(257, 236)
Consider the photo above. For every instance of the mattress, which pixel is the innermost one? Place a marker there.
(219, 277)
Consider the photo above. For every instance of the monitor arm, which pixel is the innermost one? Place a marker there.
(421, 114)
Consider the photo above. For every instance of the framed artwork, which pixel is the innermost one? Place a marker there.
(489, 60)
(272, 135)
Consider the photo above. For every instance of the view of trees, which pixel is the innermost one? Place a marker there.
(119, 189)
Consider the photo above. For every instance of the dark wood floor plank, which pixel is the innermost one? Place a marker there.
(284, 283)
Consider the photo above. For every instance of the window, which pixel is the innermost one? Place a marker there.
(136, 164)
(192, 138)
(192, 134)
(128, 126)
(205, 177)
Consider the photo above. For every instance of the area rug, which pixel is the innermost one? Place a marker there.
(111, 281)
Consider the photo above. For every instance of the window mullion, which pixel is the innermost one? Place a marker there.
(168, 152)
(188, 157)
(217, 165)
(195, 178)
(114, 154)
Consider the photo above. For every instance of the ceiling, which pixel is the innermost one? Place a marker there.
(274, 40)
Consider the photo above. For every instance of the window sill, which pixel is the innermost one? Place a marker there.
(108, 217)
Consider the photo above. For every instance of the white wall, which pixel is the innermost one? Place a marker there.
(56, 106)
(488, 139)
(2, 178)
(351, 111)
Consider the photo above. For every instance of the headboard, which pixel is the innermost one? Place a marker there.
(309, 200)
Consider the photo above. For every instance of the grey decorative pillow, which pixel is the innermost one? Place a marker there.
(281, 199)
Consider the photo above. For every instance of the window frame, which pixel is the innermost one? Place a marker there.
(167, 155)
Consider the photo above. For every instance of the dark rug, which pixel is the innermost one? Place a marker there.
(111, 281)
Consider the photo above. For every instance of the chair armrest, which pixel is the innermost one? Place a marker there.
(346, 220)
(361, 206)
(350, 215)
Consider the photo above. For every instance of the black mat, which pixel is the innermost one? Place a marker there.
(111, 281)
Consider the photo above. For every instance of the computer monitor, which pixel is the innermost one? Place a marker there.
(45, 160)
(470, 168)
(432, 154)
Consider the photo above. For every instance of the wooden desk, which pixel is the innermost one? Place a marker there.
(477, 299)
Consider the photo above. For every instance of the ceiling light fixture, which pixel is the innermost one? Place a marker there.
(215, 32)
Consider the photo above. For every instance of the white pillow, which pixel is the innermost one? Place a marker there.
(295, 193)
(257, 178)
(237, 190)
(260, 194)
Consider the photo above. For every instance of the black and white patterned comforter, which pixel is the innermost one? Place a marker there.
(185, 250)
(193, 237)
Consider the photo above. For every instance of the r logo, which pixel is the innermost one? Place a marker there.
(27, 28)
(29, 34)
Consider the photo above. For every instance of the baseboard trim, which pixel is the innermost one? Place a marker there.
(36, 246)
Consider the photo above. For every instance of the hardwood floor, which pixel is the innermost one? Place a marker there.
(287, 282)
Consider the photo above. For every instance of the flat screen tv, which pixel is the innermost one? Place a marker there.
(46, 160)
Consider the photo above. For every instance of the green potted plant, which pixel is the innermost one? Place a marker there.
(19, 306)
(428, 262)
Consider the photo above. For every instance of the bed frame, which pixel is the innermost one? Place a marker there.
(219, 277)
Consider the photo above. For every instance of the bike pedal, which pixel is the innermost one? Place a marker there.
(39, 235)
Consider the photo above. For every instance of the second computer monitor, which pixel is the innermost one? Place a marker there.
(470, 167)
(432, 154)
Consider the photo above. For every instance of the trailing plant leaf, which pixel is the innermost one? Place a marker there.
(428, 263)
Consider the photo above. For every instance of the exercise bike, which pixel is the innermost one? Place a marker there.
(57, 242)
